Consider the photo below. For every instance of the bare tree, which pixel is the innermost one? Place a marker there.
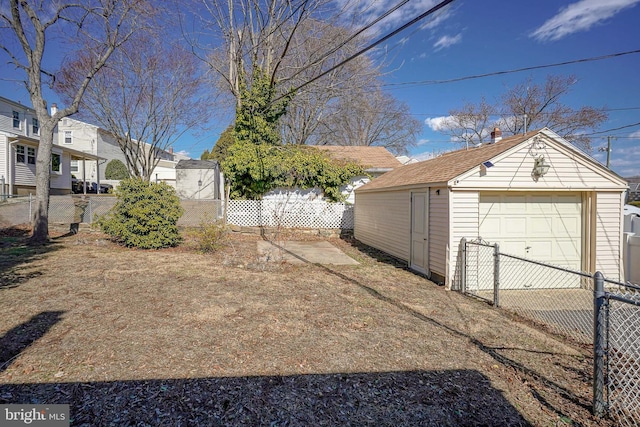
(471, 123)
(528, 105)
(533, 105)
(27, 27)
(371, 117)
(250, 34)
(313, 103)
(149, 95)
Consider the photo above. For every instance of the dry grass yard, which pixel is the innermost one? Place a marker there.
(179, 338)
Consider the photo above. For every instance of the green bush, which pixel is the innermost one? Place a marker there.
(116, 170)
(211, 235)
(145, 215)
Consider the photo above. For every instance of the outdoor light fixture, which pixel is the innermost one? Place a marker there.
(540, 168)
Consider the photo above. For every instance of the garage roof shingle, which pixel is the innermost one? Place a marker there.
(446, 166)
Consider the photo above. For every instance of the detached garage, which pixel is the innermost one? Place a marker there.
(534, 194)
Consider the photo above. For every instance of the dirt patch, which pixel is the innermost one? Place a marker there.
(175, 337)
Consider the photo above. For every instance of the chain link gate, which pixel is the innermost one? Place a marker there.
(616, 386)
(586, 308)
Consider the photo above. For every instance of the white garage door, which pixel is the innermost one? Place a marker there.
(543, 227)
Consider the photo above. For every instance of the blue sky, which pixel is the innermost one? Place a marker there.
(473, 37)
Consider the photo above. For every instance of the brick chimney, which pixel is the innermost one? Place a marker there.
(496, 135)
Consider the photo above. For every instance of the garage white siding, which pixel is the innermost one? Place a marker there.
(438, 230)
(464, 220)
(383, 221)
(609, 234)
(512, 170)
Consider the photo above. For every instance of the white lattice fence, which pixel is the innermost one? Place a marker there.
(298, 214)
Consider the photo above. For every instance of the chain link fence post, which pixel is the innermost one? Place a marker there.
(496, 274)
(463, 266)
(599, 345)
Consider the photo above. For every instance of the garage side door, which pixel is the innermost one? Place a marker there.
(543, 227)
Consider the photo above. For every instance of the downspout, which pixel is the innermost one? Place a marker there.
(11, 165)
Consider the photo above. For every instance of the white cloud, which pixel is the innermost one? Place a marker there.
(364, 11)
(447, 41)
(579, 16)
(635, 134)
(437, 123)
(422, 142)
(624, 159)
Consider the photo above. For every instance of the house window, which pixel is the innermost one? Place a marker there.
(20, 154)
(56, 163)
(68, 137)
(74, 166)
(35, 125)
(25, 155)
(31, 155)
(16, 120)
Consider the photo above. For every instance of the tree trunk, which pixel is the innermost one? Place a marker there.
(40, 220)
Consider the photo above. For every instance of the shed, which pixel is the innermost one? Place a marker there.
(199, 179)
(567, 211)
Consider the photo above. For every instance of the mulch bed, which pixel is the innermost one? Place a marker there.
(177, 337)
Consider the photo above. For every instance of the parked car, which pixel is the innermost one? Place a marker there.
(77, 187)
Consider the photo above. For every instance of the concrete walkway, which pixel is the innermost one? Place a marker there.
(301, 252)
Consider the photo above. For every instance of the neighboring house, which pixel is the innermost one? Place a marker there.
(406, 160)
(93, 139)
(19, 140)
(634, 189)
(375, 161)
(534, 194)
(199, 179)
(631, 244)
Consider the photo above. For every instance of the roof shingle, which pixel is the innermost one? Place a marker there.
(446, 166)
(366, 156)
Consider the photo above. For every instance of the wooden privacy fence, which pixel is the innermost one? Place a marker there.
(290, 214)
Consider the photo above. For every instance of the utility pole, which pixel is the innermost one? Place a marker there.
(608, 149)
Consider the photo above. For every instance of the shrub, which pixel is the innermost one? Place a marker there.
(116, 170)
(145, 215)
(211, 235)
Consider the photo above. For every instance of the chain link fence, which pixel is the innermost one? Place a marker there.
(573, 304)
(617, 351)
(14, 210)
(79, 209)
(85, 209)
(557, 297)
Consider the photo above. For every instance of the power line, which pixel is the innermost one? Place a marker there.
(517, 70)
(356, 34)
(372, 45)
(611, 130)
